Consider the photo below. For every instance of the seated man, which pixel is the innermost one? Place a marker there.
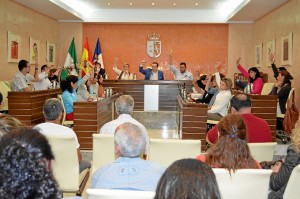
(53, 113)
(258, 129)
(181, 74)
(43, 83)
(128, 171)
(151, 74)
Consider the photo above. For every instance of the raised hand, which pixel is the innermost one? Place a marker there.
(170, 58)
(238, 61)
(116, 61)
(272, 58)
(143, 62)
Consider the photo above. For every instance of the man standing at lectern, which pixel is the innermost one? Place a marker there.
(181, 74)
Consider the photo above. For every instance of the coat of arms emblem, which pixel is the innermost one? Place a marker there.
(154, 45)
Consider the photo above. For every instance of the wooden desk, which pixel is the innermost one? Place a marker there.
(89, 117)
(28, 106)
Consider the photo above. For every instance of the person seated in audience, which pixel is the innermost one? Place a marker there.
(274, 68)
(43, 83)
(200, 84)
(25, 166)
(282, 170)
(83, 94)
(231, 150)
(53, 111)
(23, 77)
(124, 108)
(219, 108)
(151, 74)
(93, 86)
(181, 73)
(282, 89)
(122, 74)
(188, 179)
(258, 130)
(128, 171)
(54, 74)
(253, 77)
(99, 70)
(8, 123)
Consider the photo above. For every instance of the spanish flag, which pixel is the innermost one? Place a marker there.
(86, 58)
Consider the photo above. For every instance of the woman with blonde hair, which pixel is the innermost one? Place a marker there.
(8, 123)
(231, 151)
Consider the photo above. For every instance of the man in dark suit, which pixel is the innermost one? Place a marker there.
(152, 74)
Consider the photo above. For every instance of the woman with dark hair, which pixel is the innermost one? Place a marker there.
(69, 95)
(188, 179)
(231, 150)
(253, 77)
(25, 166)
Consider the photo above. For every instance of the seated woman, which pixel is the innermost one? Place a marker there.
(82, 91)
(253, 77)
(219, 108)
(8, 123)
(188, 179)
(282, 171)
(231, 150)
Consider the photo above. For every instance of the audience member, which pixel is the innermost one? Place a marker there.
(282, 171)
(54, 74)
(124, 108)
(128, 171)
(122, 74)
(83, 94)
(275, 69)
(188, 179)
(43, 82)
(23, 77)
(241, 105)
(182, 73)
(151, 74)
(25, 166)
(231, 150)
(8, 123)
(52, 110)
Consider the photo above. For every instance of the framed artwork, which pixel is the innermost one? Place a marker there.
(50, 53)
(14, 47)
(258, 54)
(34, 50)
(270, 50)
(287, 49)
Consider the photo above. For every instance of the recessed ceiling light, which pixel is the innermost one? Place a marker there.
(130, 3)
(174, 4)
(153, 4)
(108, 4)
(196, 4)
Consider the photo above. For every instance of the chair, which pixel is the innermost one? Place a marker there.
(166, 151)
(5, 87)
(103, 150)
(267, 88)
(262, 151)
(244, 183)
(64, 121)
(117, 194)
(66, 164)
(292, 190)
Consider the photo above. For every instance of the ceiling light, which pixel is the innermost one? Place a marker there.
(108, 4)
(153, 4)
(196, 4)
(174, 4)
(130, 3)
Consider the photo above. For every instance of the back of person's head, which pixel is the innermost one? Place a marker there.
(52, 109)
(8, 123)
(66, 83)
(281, 68)
(188, 179)
(24, 173)
(240, 101)
(257, 73)
(22, 64)
(130, 140)
(231, 150)
(124, 104)
(52, 71)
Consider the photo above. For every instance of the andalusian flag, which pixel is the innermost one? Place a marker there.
(70, 67)
(98, 54)
(86, 58)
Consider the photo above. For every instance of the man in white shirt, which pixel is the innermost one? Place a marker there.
(181, 74)
(52, 110)
(43, 82)
(124, 108)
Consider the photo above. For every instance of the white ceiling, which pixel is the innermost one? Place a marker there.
(154, 11)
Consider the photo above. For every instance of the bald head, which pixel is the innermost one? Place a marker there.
(241, 103)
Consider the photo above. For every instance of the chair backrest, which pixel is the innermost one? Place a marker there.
(292, 92)
(117, 194)
(267, 88)
(103, 150)
(166, 151)
(292, 190)
(65, 164)
(5, 87)
(262, 151)
(244, 183)
(64, 121)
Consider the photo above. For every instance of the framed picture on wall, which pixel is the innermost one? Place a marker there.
(287, 49)
(258, 54)
(34, 50)
(14, 47)
(270, 50)
(50, 53)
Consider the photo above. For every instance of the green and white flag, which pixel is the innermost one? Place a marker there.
(70, 67)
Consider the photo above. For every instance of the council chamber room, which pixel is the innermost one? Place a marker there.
(149, 99)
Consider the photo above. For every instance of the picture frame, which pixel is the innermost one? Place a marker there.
(51, 49)
(34, 50)
(258, 54)
(13, 47)
(270, 49)
(287, 49)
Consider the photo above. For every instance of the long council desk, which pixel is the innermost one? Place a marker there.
(28, 106)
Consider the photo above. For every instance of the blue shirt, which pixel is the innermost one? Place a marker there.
(129, 174)
(70, 98)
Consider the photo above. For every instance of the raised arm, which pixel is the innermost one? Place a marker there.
(141, 69)
(172, 67)
(36, 73)
(242, 69)
(274, 68)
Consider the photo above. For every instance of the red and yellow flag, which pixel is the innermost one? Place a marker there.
(86, 58)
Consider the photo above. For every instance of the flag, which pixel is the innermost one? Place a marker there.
(86, 58)
(70, 66)
(98, 54)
